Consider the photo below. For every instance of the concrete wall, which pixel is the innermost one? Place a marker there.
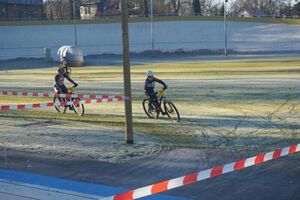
(29, 41)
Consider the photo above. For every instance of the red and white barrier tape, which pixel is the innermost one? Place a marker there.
(47, 94)
(50, 104)
(202, 175)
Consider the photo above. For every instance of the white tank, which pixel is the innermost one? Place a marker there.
(72, 55)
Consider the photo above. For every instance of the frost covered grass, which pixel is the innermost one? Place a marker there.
(232, 105)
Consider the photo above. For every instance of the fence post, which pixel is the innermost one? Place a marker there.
(225, 28)
(47, 52)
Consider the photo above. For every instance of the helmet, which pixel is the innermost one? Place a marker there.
(60, 70)
(149, 73)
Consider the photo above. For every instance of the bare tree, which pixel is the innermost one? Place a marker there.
(186, 7)
(146, 8)
(161, 6)
(210, 8)
(296, 9)
(197, 7)
(48, 9)
(176, 6)
(57, 9)
(286, 8)
(71, 7)
(263, 7)
(172, 6)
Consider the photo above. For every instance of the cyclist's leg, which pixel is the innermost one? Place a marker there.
(56, 99)
(56, 90)
(63, 89)
(158, 104)
(153, 99)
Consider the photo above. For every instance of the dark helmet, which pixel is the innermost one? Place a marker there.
(60, 70)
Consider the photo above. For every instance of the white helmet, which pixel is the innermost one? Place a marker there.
(150, 73)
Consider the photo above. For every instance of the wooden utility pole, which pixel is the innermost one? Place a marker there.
(126, 73)
(152, 27)
(74, 21)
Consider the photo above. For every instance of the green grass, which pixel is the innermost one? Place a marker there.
(18, 100)
(142, 19)
(212, 98)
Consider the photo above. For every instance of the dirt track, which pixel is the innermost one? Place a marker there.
(278, 180)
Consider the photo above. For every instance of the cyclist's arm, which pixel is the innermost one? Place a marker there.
(71, 81)
(145, 85)
(56, 79)
(161, 82)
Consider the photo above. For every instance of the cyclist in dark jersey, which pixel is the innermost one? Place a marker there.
(59, 81)
(149, 88)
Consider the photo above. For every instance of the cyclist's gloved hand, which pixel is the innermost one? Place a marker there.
(75, 85)
(165, 87)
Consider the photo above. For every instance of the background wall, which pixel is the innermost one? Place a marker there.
(30, 41)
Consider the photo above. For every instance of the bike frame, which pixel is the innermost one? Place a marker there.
(161, 97)
(163, 105)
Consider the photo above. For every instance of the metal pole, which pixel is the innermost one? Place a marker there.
(225, 29)
(75, 28)
(152, 26)
(259, 7)
(126, 73)
(6, 10)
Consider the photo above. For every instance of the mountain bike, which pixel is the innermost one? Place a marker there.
(153, 111)
(76, 108)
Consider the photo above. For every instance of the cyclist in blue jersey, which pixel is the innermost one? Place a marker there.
(59, 81)
(149, 88)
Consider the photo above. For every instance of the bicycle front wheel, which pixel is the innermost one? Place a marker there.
(172, 111)
(60, 109)
(149, 109)
(78, 108)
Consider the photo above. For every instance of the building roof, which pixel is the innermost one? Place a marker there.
(109, 4)
(23, 2)
(251, 11)
(243, 10)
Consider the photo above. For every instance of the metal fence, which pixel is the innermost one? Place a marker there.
(163, 34)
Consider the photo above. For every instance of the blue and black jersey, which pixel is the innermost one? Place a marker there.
(150, 84)
(59, 82)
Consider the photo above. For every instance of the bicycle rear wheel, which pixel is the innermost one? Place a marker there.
(172, 111)
(149, 109)
(78, 108)
(60, 109)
